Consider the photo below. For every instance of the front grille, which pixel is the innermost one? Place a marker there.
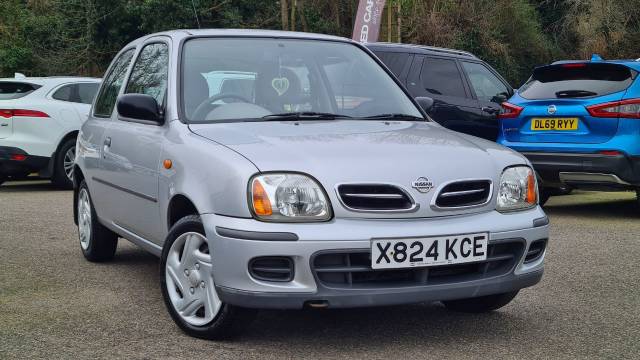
(464, 193)
(272, 268)
(352, 269)
(536, 249)
(374, 197)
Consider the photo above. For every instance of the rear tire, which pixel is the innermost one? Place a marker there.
(480, 304)
(98, 243)
(63, 165)
(188, 289)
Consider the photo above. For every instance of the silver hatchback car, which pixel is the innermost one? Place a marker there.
(285, 170)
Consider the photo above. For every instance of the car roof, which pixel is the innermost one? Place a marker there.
(50, 80)
(420, 49)
(632, 63)
(242, 32)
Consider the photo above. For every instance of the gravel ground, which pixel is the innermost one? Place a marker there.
(54, 304)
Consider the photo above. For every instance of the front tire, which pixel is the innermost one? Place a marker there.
(63, 165)
(186, 281)
(98, 243)
(480, 304)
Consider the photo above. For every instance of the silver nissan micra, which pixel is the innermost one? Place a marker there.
(285, 170)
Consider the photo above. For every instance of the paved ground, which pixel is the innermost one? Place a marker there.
(54, 304)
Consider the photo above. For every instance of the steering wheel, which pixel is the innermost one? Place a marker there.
(206, 106)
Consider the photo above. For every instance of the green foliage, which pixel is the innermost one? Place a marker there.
(80, 37)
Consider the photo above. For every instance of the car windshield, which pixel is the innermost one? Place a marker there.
(271, 79)
(10, 90)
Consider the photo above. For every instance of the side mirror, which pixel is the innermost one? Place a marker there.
(499, 99)
(426, 103)
(141, 107)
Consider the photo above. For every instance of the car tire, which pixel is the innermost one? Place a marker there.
(480, 304)
(97, 243)
(63, 165)
(188, 289)
(544, 194)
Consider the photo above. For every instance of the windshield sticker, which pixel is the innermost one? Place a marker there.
(280, 85)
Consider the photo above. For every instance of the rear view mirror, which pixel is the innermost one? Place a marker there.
(141, 107)
(426, 103)
(499, 99)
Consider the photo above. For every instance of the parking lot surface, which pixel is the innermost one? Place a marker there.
(54, 304)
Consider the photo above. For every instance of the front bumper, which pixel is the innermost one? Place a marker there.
(19, 168)
(235, 285)
(586, 170)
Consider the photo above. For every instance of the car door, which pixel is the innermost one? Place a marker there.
(489, 92)
(91, 140)
(441, 79)
(132, 149)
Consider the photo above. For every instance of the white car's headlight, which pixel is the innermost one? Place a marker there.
(518, 189)
(288, 198)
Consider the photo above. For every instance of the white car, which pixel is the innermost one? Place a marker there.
(39, 123)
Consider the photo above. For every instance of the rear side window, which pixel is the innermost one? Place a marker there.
(577, 80)
(82, 93)
(394, 61)
(442, 77)
(485, 84)
(112, 83)
(15, 90)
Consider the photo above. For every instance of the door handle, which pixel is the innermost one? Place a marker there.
(490, 110)
(105, 147)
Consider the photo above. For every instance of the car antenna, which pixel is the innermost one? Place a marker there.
(195, 13)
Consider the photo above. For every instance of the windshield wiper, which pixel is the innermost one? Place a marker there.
(392, 117)
(574, 93)
(305, 115)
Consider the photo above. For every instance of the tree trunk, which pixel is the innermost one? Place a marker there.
(303, 19)
(293, 15)
(284, 14)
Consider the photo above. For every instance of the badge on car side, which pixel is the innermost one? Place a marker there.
(422, 184)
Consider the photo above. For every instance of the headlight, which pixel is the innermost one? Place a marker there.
(518, 189)
(288, 198)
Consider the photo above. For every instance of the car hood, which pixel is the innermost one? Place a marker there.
(359, 151)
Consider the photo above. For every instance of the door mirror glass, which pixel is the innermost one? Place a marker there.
(140, 107)
(426, 103)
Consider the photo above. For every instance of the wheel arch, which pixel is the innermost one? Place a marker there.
(78, 176)
(180, 206)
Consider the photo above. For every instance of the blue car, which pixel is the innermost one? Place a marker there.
(578, 122)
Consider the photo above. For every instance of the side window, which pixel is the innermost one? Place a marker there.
(150, 72)
(394, 61)
(485, 84)
(64, 93)
(112, 84)
(441, 77)
(87, 92)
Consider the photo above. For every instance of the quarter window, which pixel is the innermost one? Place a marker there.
(112, 83)
(394, 61)
(78, 93)
(485, 84)
(150, 72)
(441, 77)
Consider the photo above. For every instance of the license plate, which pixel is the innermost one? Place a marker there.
(554, 124)
(428, 251)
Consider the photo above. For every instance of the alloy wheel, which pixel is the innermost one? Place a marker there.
(68, 162)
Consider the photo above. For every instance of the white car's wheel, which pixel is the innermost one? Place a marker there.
(97, 242)
(63, 165)
(188, 288)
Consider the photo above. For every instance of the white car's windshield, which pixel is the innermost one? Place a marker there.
(255, 78)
